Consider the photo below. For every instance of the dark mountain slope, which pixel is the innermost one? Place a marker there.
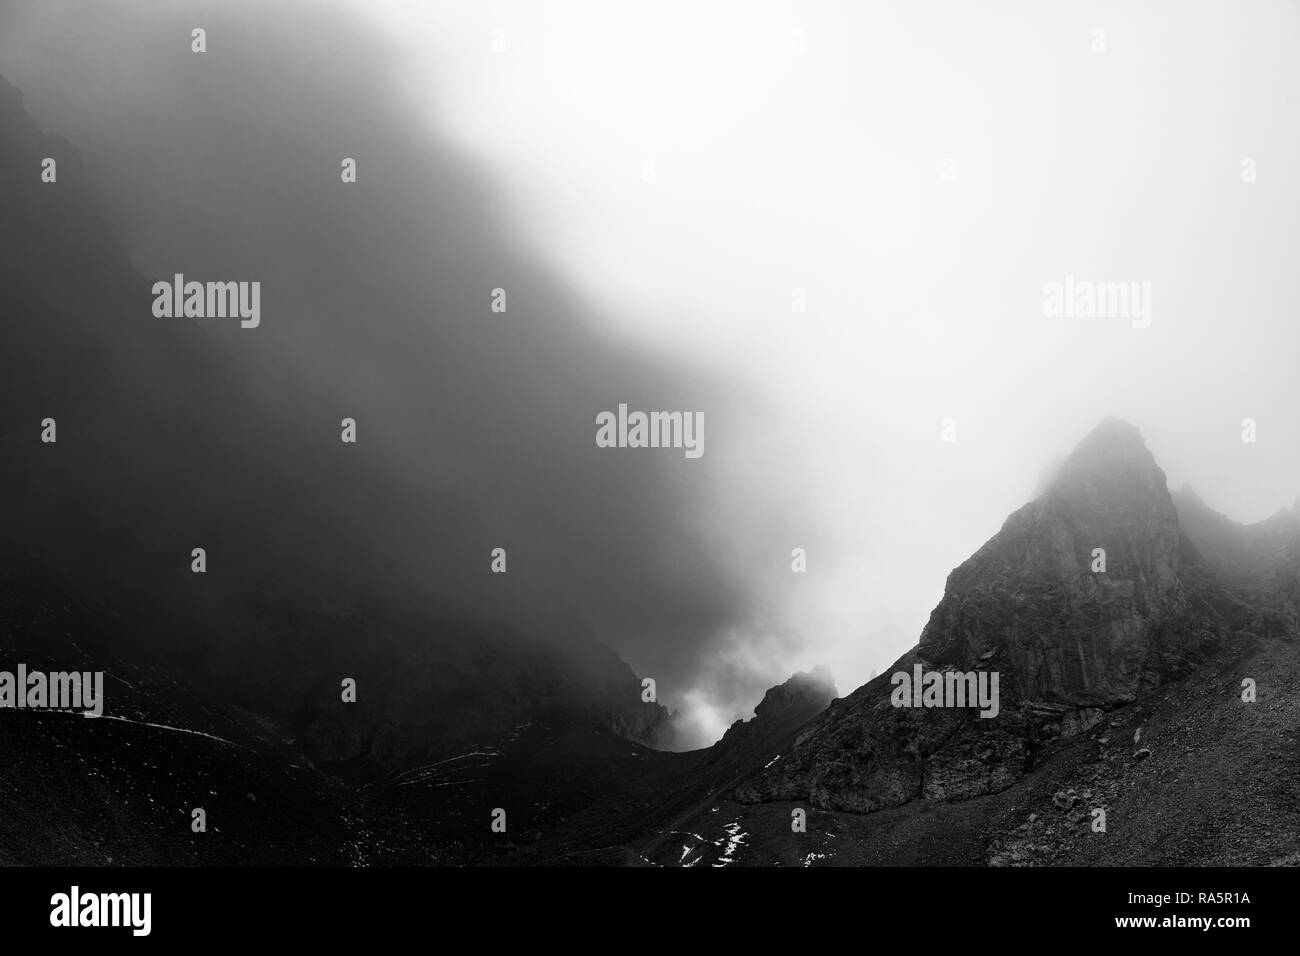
(120, 789)
(1211, 781)
(164, 444)
(651, 814)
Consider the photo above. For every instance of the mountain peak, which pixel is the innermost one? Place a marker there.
(1110, 469)
(1117, 428)
(782, 710)
(1112, 443)
(1078, 605)
(804, 689)
(1111, 448)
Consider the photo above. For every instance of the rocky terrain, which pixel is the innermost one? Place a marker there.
(1126, 736)
(1068, 643)
(1123, 691)
(1159, 689)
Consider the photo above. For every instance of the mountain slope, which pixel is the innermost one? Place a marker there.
(1067, 642)
(1261, 560)
(162, 446)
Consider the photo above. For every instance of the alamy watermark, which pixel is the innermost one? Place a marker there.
(60, 690)
(1086, 299)
(683, 430)
(208, 300)
(75, 908)
(946, 689)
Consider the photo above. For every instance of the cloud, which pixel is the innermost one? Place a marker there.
(793, 155)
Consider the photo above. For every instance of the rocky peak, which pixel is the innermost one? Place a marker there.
(1111, 467)
(1078, 604)
(1069, 592)
(805, 691)
(783, 709)
(1113, 443)
(1112, 452)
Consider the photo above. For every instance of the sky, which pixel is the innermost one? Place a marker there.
(829, 226)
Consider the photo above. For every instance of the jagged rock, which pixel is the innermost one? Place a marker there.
(1069, 643)
(782, 709)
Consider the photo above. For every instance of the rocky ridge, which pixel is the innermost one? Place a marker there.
(1069, 641)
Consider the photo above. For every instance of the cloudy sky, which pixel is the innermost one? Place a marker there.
(826, 225)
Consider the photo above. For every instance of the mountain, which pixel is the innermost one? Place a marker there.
(1121, 691)
(163, 445)
(1143, 716)
(1260, 560)
(784, 708)
(469, 687)
(663, 809)
(1066, 642)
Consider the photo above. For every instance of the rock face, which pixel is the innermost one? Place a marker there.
(1030, 603)
(1066, 641)
(782, 709)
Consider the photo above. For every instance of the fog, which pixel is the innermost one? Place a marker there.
(826, 226)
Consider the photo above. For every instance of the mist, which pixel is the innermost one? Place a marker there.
(827, 227)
